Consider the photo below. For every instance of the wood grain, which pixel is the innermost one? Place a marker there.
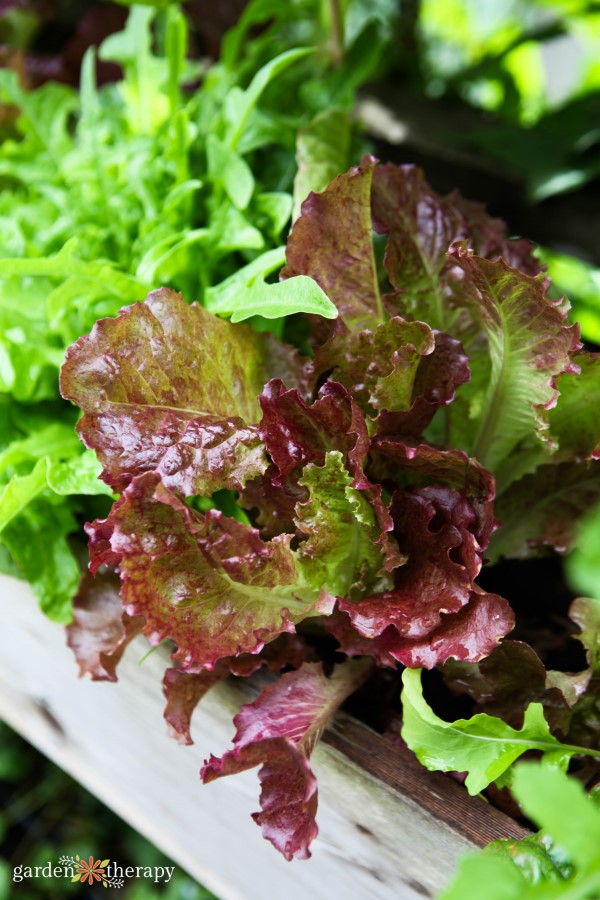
(387, 829)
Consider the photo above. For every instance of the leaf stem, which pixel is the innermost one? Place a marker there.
(337, 33)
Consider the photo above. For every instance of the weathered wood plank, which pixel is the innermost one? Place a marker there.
(378, 837)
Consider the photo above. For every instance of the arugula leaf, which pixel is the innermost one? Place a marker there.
(484, 746)
(273, 301)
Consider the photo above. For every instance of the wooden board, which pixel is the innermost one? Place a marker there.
(388, 829)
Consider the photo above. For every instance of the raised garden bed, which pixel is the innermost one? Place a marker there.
(388, 828)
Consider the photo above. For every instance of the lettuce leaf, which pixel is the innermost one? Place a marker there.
(528, 344)
(206, 581)
(101, 630)
(278, 732)
(434, 611)
(154, 411)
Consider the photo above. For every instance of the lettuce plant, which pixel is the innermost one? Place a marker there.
(179, 173)
(350, 481)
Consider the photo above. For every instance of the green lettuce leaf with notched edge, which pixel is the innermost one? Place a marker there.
(206, 581)
(563, 860)
(171, 388)
(485, 747)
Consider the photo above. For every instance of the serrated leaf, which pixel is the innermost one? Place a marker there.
(484, 746)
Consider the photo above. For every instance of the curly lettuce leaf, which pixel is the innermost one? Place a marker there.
(148, 409)
(296, 433)
(205, 580)
(484, 746)
(528, 344)
(417, 465)
(379, 367)
(278, 732)
(184, 690)
(341, 531)
(435, 610)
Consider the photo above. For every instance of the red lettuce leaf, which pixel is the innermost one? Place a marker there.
(295, 433)
(207, 581)
(184, 690)
(436, 381)
(435, 610)
(331, 241)
(101, 630)
(420, 226)
(469, 635)
(434, 528)
(528, 344)
(489, 237)
(507, 681)
(273, 506)
(169, 387)
(416, 466)
(378, 367)
(278, 732)
(353, 643)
